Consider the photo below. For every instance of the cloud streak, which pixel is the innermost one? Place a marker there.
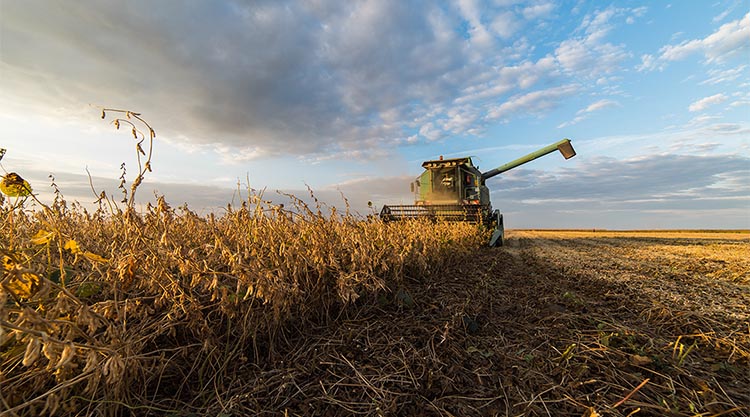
(728, 41)
(585, 113)
(534, 102)
(707, 102)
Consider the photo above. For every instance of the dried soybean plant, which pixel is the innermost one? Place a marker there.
(158, 311)
(46, 275)
(137, 127)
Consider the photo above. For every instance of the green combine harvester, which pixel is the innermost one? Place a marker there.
(455, 190)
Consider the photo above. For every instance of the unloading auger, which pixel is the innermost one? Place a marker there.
(455, 190)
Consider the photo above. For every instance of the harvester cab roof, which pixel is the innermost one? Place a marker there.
(440, 163)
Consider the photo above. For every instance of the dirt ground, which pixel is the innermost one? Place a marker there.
(553, 324)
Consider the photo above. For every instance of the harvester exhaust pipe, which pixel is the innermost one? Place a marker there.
(564, 146)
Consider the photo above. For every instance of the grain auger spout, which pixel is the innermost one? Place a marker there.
(455, 190)
(564, 146)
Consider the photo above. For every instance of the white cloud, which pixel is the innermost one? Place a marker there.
(716, 76)
(598, 23)
(470, 11)
(730, 40)
(588, 55)
(461, 120)
(721, 16)
(506, 24)
(237, 155)
(507, 3)
(676, 35)
(648, 62)
(726, 128)
(430, 132)
(585, 113)
(524, 75)
(702, 120)
(740, 99)
(706, 102)
(635, 13)
(538, 10)
(639, 11)
(589, 58)
(600, 105)
(534, 102)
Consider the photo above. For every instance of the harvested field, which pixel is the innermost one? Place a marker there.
(553, 324)
(556, 323)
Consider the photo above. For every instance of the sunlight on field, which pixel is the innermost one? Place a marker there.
(657, 234)
(713, 254)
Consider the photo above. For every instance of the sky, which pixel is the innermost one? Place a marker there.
(348, 98)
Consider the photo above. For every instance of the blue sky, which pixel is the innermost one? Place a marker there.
(353, 96)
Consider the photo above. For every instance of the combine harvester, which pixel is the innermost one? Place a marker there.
(455, 190)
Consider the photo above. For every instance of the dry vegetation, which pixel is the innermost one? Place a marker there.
(301, 311)
(167, 310)
(263, 311)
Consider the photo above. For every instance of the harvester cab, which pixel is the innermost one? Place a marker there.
(455, 190)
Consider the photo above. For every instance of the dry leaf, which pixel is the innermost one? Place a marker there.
(591, 413)
(13, 185)
(32, 352)
(94, 257)
(41, 237)
(639, 360)
(72, 246)
(23, 285)
(68, 353)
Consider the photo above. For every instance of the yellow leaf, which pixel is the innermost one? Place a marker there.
(591, 413)
(8, 263)
(23, 285)
(94, 257)
(72, 246)
(41, 237)
(13, 185)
